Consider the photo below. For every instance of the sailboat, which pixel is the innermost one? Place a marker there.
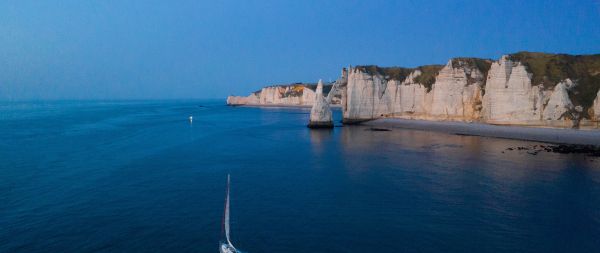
(225, 245)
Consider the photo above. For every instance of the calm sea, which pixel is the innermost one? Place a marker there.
(138, 177)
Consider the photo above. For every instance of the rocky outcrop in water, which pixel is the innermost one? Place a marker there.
(320, 114)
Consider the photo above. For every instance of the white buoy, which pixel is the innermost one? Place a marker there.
(191, 119)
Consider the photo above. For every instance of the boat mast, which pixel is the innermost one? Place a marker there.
(225, 224)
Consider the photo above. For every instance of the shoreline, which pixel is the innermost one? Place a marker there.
(515, 132)
(539, 134)
(280, 105)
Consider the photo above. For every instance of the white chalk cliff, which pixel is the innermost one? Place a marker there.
(411, 97)
(595, 111)
(365, 96)
(456, 94)
(320, 114)
(510, 96)
(461, 91)
(252, 99)
(524, 88)
(559, 103)
(298, 94)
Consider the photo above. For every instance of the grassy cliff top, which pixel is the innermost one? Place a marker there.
(550, 69)
(427, 77)
(428, 74)
(389, 73)
(482, 65)
(326, 87)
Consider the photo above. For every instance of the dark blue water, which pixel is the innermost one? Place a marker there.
(138, 177)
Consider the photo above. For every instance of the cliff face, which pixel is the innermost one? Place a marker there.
(456, 93)
(411, 97)
(510, 96)
(595, 111)
(523, 88)
(295, 94)
(373, 93)
(366, 96)
(239, 100)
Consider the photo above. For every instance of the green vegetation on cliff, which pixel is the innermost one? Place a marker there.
(389, 73)
(295, 90)
(427, 77)
(326, 87)
(428, 74)
(550, 69)
(482, 65)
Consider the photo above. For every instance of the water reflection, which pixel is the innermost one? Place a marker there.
(456, 151)
(319, 138)
(474, 177)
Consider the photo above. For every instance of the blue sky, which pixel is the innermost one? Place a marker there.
(210, 49)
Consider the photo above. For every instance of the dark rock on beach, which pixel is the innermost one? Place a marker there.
(590, 150)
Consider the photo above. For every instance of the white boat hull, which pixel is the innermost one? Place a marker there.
(226, 248)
